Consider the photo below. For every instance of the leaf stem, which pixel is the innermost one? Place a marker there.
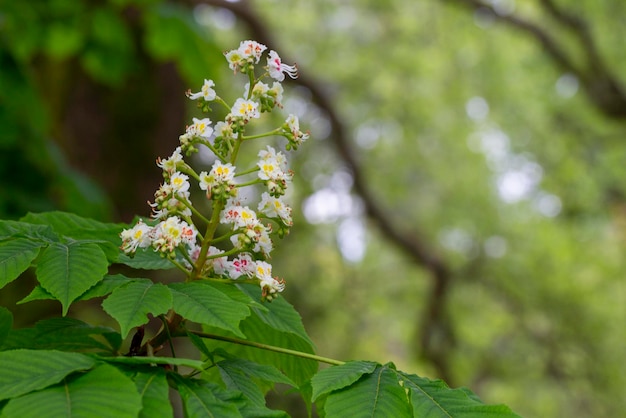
(262, 346)
(263, 135)
(169, 337)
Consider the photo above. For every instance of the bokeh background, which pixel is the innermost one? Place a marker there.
(460, 208)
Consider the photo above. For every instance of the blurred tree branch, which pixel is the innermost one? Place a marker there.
(602, 87)
(436, 334)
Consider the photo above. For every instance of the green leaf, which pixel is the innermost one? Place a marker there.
(105, 286)
(38, 293)
(145, 259)
(77, 227)
(65, 334)
(202, 303)
(102, 288)
(337, 377)
(200, 401)
(63, 40)
(66, 271)
(44, 233)
(434, 399)
(24, 371)
(299, 370)
(235, 293)
(130, 304)
(236, 379)
(237, 374)
(278, 314)
(200, 345)
(255, 370)
(245, 406)
(172, 361)
(6, 322)
(106, 235)
(102, 392)
(376, 394)
(172, 35)
(15, 257)
(154, 391)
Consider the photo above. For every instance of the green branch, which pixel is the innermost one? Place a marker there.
(267, 347)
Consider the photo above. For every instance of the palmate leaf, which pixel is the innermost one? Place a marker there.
(237, 374)
(202, 303)
(236, 379)
(66, 271)
(297, 369)
(236, 293)
(279, 314)
(15, 257)
(102, 392)
(245, 406)
(145, 259)
(24, 371)
(375, 394)
(434, 399)
(154, 390)
(130, 304)
(16, 229)
(72, 225)
(338, 377)
(104, 287)
(38, 293)
(107, 285)
(65, 334)
(200, 401)
(106, 235)
(386, 392)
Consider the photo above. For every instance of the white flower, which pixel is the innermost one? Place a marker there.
(180, 184)
(246, 109)
(271, 154)
(223, 172)
(276, 67)
(136, 237)
(277, 92)
(251, 49)
(274, 207)
(219, 264)
(268, 283)
(170, 233)
(207, 92)
(202, 127)
(260, 89)
(243, 265)
(293, 125)
(264, 271)
(239, 216)
(169, 164)
(224, 130)
(263, 242)
(248, 52)
(163, 207)
(189, 234)
(272, 169)
(220, 175)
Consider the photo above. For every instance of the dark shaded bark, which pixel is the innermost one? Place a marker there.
(129, 125)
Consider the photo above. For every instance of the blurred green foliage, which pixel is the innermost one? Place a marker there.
(468, 135)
